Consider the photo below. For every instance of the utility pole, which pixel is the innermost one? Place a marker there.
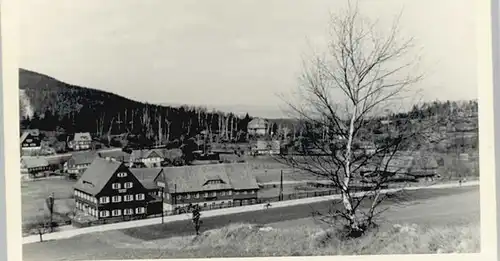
(163, 196)
(281, 186)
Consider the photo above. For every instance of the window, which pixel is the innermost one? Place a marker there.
(179, 197)
(122, 174)
(139, 196)
(245, 192)
(222, 193)
(237, 193)
(188, 196)
(253, 191)
(104, 213)
(75, 193)
(117, 212)
(116, 186)
(214, 194)
(197, 195)
(128, 198)
(205, 194)
(116, 199)
(229, 193)
(204, 204)
(139, 210)
(128, 185)
(128, 211)
(167, 196)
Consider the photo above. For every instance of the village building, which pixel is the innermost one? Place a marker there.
(80, 141)
(117, 155)
(257, 127)
(30, 142)
(79, 162)
(109, 190)
(150, 158)
(265, 147)
(34, 165)
(147, 178)
(208, 186)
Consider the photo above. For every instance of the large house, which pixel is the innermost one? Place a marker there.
(79, 162)
(80, 141)
(30, 141)
(150, 158)
(117, 155)
(208, 186)
(109, 190)
(257, 127)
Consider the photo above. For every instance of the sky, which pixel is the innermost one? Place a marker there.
(240, 56)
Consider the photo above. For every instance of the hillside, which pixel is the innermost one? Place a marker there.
(49, 104)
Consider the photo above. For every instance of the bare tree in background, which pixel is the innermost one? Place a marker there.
(342, 93)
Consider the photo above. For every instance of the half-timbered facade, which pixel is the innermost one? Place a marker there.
(150, 158)
(109, 190)
(80, 141)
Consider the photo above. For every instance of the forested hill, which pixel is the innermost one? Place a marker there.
(49, 104)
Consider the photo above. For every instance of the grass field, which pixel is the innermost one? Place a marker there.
(34, 194)
(439, 221)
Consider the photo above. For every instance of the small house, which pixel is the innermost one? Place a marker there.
(257, 127)
(80, 141)
(34, 165)
(151, 158)
(79, 162)
(109, 190)
(117, 155)
(30, 141)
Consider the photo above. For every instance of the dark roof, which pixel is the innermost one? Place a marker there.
(97, 175)
(194, 178)
(83, 157)
(34, 162)
(33, 132)
(146, 176)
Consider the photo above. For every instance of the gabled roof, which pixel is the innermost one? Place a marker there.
(145, 153)
(34, 162)
(242, 177)
(83, 157)
(97, 175)
(26, 133)
(117, 154)
(195, 178)
(147, 176)
(257, 123)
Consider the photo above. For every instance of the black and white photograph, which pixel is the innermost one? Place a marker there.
(168, 129)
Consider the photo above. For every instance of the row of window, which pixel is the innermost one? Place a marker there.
(105, 213)
(207, 194)
(114, 199)
(126, 198)
(127, 185)
(222, 203)
(118, 212)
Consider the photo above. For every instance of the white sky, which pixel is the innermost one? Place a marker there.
(236, 55)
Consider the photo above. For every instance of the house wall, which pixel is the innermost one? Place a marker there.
(137, 189)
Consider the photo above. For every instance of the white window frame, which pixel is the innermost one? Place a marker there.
(128, 198)
(188, 196)
(140, 210)
(117, 211)
(205, 194)
(140, 196)
(121, 174)
(197, 195)
(116, 186)
(222, 193)
(104, 213)
(229, 193)
(104, 200)
(214, 194)
(118, 199)
(253, 191)
(245, 192)
(128, 185)
(128, 211)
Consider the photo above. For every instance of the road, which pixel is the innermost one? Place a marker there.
(430, 206)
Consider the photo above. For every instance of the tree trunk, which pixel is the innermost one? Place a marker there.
(346, 199)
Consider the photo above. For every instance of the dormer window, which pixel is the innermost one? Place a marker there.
(214, 182)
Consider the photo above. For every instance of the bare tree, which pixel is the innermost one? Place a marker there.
(342, 93)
